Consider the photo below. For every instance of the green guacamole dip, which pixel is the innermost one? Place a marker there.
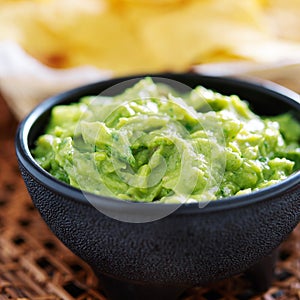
(153, 144)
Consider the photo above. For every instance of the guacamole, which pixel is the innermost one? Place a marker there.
(152, 143)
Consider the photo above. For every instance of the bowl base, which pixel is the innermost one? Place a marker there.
(116, 289)
(260, 275)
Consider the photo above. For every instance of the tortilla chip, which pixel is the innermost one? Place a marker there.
(135, 36)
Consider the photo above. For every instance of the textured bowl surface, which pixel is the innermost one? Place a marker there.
(192, 245)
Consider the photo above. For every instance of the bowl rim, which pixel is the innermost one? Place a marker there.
(46, 179)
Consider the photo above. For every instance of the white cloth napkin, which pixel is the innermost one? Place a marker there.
(284, 73)
(24, 81)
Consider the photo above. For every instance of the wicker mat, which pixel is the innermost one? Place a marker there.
(35, 265)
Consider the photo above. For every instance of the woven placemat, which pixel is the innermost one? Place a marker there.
(35, 265)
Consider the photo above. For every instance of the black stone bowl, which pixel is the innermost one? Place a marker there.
(189, 247)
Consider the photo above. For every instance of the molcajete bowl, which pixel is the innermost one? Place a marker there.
(188, 247)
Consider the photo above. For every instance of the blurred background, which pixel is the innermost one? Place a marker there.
(58, 44)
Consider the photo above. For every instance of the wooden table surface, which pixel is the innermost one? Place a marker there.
(35, 265)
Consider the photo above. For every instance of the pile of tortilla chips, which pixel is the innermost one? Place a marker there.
(134, 36)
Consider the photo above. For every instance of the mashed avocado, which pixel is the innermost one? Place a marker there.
(153, 144)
